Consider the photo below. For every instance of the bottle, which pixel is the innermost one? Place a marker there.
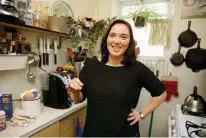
(79, 27)
(12, 48)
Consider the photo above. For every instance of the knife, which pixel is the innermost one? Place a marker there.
(55, 52)
(48, 51)
(40, 52)
(44, 50)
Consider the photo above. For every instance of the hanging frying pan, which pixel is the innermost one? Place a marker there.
(177, 58)
(187, 38)
(196, 58)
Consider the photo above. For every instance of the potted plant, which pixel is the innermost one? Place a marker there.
(143, 14)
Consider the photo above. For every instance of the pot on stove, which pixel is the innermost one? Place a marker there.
(194, 104)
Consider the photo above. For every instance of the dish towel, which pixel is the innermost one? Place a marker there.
(21, 119)
(78, 129)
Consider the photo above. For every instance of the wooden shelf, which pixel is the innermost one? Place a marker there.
(34, 29)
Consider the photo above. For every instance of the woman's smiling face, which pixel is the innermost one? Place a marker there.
(118, 40)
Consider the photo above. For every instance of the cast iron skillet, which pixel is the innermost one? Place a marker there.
(177, 58)
(196, 58)
(187, 38)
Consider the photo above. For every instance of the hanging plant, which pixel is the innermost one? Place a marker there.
(143, 14)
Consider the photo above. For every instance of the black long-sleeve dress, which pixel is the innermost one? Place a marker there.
(111, 93)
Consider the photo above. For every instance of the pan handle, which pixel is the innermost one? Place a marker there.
(195, 93)
(198, 43)
(179, 49)
(189, 24)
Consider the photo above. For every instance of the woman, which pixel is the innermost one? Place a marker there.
(112, 86)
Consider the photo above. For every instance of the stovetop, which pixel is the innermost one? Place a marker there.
(194, 130)
(189, 125)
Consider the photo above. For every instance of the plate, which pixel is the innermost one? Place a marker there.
(61, 9)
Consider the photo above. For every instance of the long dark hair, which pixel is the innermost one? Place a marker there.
(129, 56)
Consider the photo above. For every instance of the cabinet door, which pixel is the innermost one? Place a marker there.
(66, 123)
(71, 132)
(65, 133)
(70, 121)
(53, 130)
(82, 113)
(39, 134)
(82, 123)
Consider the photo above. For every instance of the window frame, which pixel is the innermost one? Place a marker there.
(122, 3)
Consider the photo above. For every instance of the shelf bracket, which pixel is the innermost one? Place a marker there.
(61, 40)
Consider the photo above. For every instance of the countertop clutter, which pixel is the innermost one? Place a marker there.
(45, 119)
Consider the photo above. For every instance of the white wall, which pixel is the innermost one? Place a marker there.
(79, 7)
(187, 79)
(97, 9)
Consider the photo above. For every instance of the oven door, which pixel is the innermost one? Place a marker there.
(172, 126)
(7, 2)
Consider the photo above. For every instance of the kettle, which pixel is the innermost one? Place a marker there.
(194, 104)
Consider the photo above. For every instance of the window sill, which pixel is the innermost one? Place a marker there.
(162, 58)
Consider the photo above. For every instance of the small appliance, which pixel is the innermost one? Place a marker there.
(54, 89)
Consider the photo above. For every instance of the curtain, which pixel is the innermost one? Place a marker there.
(160, 32)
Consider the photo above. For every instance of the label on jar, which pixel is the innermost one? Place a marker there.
(2, 120)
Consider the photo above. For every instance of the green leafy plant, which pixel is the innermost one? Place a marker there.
(88, 34)
(96, 31)
(143, 14)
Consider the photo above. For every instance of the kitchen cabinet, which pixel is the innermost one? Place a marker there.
(65, 127)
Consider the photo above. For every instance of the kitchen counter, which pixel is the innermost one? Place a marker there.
(46, 118)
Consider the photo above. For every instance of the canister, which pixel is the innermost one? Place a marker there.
(2, 120)
(31, 108)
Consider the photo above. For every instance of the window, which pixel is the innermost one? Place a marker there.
(142, 34)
